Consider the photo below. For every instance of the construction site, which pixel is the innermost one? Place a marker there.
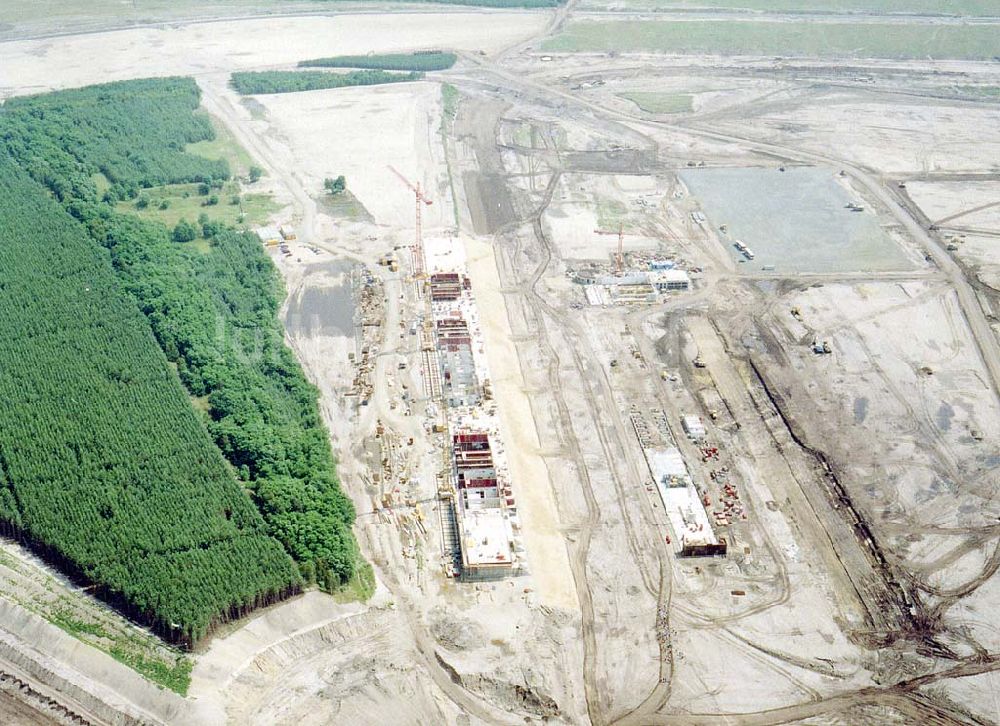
(649, 417)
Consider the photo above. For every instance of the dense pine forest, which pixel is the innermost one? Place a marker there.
(419, 61)
(248, 83)
(106, 467)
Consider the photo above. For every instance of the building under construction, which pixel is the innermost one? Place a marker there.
(686, 507)
(479, 490)
(487, 540)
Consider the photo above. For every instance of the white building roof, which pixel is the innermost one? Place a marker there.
(443, 254)
(266, 233)
(597, 295)
(667, 465)
(693, 426)
(687, 515)
(486, 537)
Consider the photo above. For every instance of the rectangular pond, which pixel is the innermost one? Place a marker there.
(795, 220)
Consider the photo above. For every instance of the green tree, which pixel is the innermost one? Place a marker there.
(210, 229)
(255, 174)
(184, 231)
(335, 186)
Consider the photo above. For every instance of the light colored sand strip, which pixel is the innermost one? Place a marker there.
(30, 66)
(536, 506)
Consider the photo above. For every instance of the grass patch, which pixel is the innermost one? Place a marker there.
(142, 653)
(74, 626)
(223, 146)
(660, 102)
(176, 677)
(344, 206)
(450, 98)
(988, 92)
(101, 182)
(971, 8)
(739, 37)
(524, 135)
(184, 202)
(611, 213)
(419, 61)
(360, 588)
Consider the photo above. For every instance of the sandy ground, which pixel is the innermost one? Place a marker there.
(228, 658)
(897, 138)
(585, 203)
(983, 690)
(359, 132)
(27, 66)
(16, 713)
(955, 203)
(546, 548)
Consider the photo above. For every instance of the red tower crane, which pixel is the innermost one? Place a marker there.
(619, 257)
(418, 247)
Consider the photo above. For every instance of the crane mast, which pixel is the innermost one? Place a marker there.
(620, 256)
(418, 245)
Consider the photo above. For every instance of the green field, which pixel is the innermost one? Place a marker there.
(652, 102)
(184, 202)
(344, 206)
(224, 146)
(971, 8)
(815, 39)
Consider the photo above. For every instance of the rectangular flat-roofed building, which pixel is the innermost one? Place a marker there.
(693, 427)
(487, 544)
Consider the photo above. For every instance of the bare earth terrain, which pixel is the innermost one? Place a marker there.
(845, 372)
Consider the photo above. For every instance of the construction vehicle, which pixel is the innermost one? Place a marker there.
(418, 247)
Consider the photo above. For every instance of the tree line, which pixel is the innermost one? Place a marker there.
(248, 83)
(419, 61)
